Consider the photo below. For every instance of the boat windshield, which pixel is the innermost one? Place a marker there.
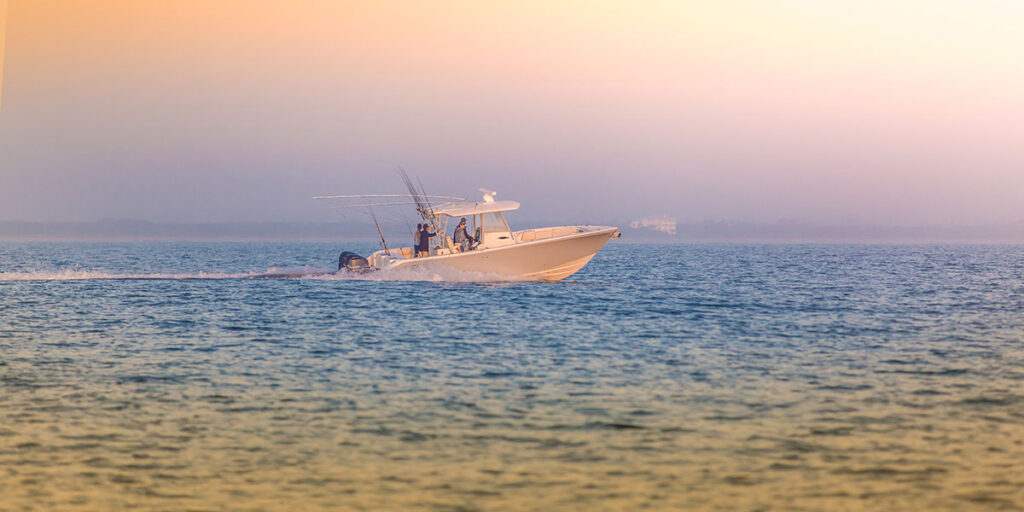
(495, 223)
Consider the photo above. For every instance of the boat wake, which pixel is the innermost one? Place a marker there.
(87, 275)
(449, 276)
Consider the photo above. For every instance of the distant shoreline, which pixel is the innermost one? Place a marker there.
(700, 232)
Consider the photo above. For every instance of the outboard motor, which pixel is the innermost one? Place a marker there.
(352, 262)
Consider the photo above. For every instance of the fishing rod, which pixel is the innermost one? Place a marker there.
(407, 225)
(422, 204)
(424, 207)
(379, 232)
(444, 238)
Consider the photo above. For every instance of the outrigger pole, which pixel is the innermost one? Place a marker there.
(343, 206)
(351, 196)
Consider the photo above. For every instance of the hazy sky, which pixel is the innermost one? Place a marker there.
(889, 112)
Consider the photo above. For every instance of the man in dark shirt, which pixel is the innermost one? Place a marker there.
(425, 235)
(461, 237)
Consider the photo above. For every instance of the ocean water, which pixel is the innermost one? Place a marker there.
(162, 376)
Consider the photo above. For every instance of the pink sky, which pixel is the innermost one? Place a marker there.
(838, 112)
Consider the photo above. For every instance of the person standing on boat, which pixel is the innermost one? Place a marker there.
(461, 237)
(424, 243)
(416, 241)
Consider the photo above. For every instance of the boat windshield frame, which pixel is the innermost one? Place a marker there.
(500, 226)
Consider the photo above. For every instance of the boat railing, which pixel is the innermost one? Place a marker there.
(532, 235)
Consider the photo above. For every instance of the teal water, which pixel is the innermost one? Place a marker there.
(163, 376)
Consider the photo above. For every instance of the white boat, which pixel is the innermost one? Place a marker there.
(542, 254)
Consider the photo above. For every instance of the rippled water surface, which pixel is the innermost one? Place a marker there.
(161, 376)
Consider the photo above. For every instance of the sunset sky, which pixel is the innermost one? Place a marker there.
(868, 112)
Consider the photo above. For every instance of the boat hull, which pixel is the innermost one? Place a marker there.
(550, 259)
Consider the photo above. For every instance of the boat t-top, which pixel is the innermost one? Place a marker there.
(541, 254)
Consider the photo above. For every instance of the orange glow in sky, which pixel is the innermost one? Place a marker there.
(3, 39)
(850, 112)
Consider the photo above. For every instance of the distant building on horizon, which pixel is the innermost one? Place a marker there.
(660, 223)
